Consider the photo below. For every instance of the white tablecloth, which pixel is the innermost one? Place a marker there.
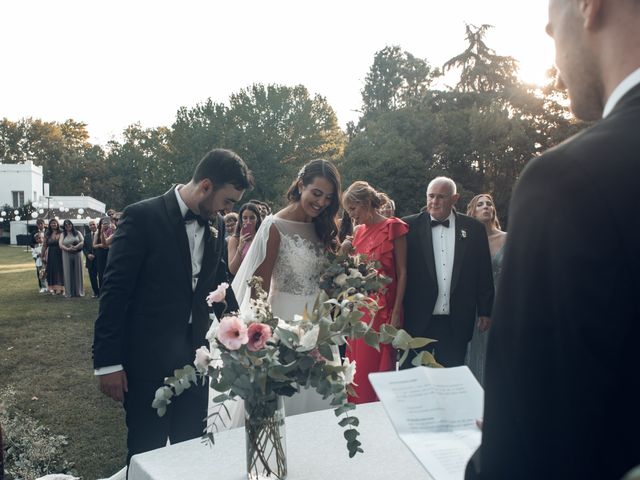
(316, 449)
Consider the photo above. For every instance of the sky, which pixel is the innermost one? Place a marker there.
(113, 63)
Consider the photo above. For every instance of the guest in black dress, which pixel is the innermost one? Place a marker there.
(101, 243)
(52, 256)
(90, 257)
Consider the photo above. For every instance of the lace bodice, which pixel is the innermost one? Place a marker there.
(300, 259)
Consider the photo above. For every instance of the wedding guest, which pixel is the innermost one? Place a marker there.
(449, 280)
(164, 259)
(345, 227)
(230, 222)
(264, 208)
(388, 209)
(90, 258)
(239, 244)
(482, 208)
(36, 252)
(52, 257)
(382, 239)
(71, 243)
(101, 242)
(562, 383)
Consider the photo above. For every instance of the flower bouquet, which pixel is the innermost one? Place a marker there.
(261, 358)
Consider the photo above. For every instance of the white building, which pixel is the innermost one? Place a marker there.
(20, 183)
(23, 183)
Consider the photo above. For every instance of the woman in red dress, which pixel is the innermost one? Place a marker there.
(382, 239)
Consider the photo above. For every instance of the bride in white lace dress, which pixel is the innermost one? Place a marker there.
(288, 253)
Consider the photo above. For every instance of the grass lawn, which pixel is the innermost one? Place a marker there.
(45, 355)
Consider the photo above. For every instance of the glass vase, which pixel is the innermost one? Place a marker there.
(265, 441)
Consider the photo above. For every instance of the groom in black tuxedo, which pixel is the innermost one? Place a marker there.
(449, 277)
(562, 376)
(166, 255)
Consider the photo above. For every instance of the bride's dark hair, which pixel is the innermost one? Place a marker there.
(325, 223)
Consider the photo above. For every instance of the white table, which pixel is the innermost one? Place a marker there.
(316, 449)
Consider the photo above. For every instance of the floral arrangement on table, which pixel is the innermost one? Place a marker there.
(262, 358)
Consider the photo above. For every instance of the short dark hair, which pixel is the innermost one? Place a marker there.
(223, 166)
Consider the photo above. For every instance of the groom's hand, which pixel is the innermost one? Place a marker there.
(114, 385)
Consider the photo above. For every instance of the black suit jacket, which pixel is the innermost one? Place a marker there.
(562, 376)
(87, 247)
(147, 298)
(471, 283)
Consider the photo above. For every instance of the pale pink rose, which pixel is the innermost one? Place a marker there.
(232, 333)
(258, 333)
(218, 294)
(203, 359)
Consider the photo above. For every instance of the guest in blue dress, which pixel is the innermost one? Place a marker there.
(482, 208)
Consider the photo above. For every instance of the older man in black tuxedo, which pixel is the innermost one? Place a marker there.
(166, 255)
(449, 278)
(562, 376)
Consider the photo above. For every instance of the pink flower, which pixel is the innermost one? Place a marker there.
(259, 333)
(232, 333)
(203, 359)
(218, 294)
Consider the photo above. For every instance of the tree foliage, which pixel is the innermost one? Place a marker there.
(481, 133)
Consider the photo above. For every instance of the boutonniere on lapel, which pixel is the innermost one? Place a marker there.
(463, 234)
(214, 231)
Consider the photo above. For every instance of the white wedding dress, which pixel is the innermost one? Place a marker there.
(294, 284)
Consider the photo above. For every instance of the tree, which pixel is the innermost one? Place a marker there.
(277, 129)
(395, 80)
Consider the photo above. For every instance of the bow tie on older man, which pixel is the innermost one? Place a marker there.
(444, 223)
(190, 217)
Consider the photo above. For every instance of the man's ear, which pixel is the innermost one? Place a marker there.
(206, 186)
(455, 198)
(591, 11)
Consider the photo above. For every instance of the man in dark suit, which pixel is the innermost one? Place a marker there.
(90, 258)
(166, 255)
(449, 278)
(562, 376)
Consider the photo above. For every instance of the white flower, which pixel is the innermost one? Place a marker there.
(218, 294)
(309, 339)
(340, 280)
(290, 328)
(203, 359)
(349, 371)
(354, 273)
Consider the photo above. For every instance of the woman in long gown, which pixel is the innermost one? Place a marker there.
(382, 239)
(52, 256)
(101, 244)
(71, 243)
(482, 208)
(288, 252)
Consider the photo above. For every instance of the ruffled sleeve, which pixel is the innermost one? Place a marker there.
(383, 237)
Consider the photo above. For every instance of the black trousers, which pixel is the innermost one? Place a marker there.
(185, 417)
(101, 262)
(92, 270)
(448, 350)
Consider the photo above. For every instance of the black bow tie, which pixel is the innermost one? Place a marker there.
(190, 217)
(444, 223)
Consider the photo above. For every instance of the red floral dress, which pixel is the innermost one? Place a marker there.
(376, 241)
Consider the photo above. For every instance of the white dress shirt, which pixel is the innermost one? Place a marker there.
(444, 245)
(195, 235)
(620, 91)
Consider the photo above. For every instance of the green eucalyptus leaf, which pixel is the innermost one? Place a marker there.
(419, 342)
(401, 340)
(371, 339)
